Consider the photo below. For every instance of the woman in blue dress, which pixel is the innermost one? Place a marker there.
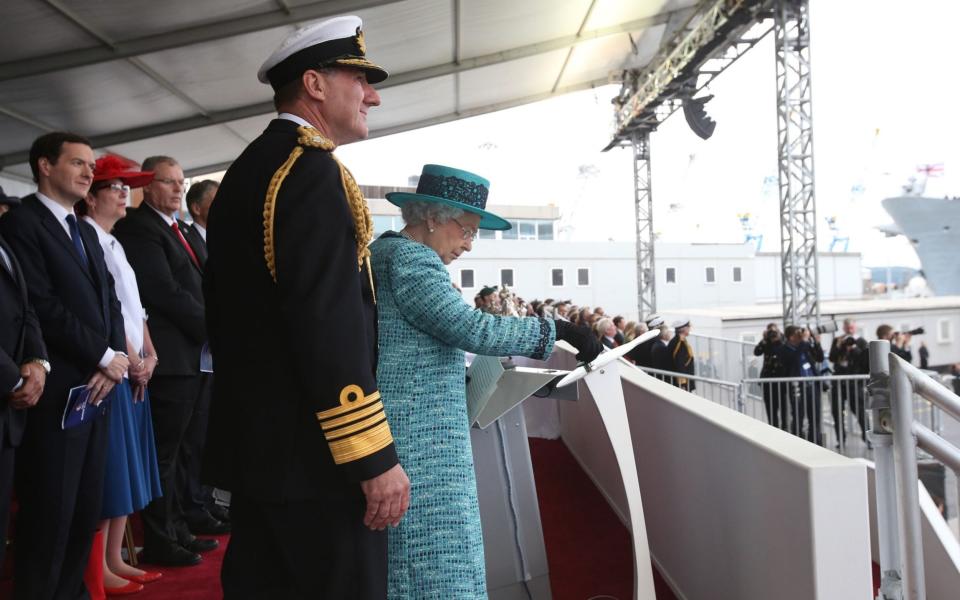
(424, 328)
(132, 477)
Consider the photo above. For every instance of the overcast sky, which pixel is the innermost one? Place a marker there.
(884, 91)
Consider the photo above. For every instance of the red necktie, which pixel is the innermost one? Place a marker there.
(186, 246)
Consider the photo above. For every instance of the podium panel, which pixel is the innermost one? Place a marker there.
(516, 560)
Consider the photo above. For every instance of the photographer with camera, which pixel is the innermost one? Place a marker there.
(850, 356)
(800, 352)
(774, 393)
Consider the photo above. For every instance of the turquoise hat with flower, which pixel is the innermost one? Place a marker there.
(456, 188)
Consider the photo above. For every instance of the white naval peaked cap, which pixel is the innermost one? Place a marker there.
(680, 323)
(654, 321)
(336, 41)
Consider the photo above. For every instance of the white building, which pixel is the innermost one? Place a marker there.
(530, 260)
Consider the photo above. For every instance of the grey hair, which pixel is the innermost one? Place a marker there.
(418, 211)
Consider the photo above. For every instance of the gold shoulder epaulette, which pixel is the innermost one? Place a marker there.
(308, 138)
(358, 427)
(362, 222)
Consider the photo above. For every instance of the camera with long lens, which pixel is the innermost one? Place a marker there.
(827, 327)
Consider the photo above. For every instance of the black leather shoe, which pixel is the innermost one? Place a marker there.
(208, 525)
(201, 545)
(170, 556)
(220, 513)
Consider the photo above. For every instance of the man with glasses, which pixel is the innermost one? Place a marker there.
(169, 274)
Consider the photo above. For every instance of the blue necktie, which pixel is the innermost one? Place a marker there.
(77, 242)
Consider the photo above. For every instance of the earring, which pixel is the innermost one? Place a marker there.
(431, 230)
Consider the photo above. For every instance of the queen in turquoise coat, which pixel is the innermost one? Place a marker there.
(424, 328)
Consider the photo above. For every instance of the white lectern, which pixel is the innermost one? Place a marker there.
(513, 538)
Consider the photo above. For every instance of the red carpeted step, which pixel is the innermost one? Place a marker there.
(588, 549)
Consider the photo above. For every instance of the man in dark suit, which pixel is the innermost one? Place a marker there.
(292, 318)
(199, 198)
(23, 371)
(169, 276)
(59, 473)
(197, 501)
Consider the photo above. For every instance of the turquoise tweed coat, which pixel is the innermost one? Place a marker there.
(424, 328)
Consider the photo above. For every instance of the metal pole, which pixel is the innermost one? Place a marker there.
(905, 459)
(886, 483)
(643, 207)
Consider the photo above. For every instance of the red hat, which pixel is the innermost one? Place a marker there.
(111, 166)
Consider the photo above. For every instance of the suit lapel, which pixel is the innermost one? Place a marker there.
(195, 240)
(158, 220)
(56, 230)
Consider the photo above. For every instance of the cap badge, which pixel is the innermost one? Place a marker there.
(360, 43)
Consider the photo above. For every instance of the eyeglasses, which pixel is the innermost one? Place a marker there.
(116, 187)
(169, 181)
(468, 234)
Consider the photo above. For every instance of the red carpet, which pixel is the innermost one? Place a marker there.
(588, 549)
(201, 582)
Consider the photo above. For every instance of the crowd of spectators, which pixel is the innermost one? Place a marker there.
(82, 273)
(668, 352)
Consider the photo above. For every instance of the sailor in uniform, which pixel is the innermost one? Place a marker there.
(297, 430)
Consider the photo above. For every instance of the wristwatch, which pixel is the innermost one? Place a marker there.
(43, 363)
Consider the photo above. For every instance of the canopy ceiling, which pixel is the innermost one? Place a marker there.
(179, 77)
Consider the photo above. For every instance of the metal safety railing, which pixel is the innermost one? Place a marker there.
(722, 392)
(722, 358)
(893, 384)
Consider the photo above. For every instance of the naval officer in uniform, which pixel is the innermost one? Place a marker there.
(297, 430)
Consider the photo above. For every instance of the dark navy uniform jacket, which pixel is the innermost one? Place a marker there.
(296, 413)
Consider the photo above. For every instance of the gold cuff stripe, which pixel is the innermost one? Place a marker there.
(361, 445)
(344, 432)
(354, 416)
(351, 398)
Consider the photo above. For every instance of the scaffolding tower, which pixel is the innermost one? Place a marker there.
(714, 36)
(643, 206)
(798, 215)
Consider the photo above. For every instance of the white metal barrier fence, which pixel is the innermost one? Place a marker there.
(894, 383)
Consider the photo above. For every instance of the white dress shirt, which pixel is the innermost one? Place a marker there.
(166, 218)
(201, 230)
(296, 119)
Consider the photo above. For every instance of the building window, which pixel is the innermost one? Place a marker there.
(710, 275)
(487, 234)
(510, 234)
(466, 279)
(556, 277)
(737, 275)
(944, 331)
(671, 274)
(506, 277)
(545, 230)
(528, 230)
(583, 277)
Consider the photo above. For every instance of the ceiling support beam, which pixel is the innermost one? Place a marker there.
(205, 32)
(440, 119)
(566, 60)
(204, 119)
